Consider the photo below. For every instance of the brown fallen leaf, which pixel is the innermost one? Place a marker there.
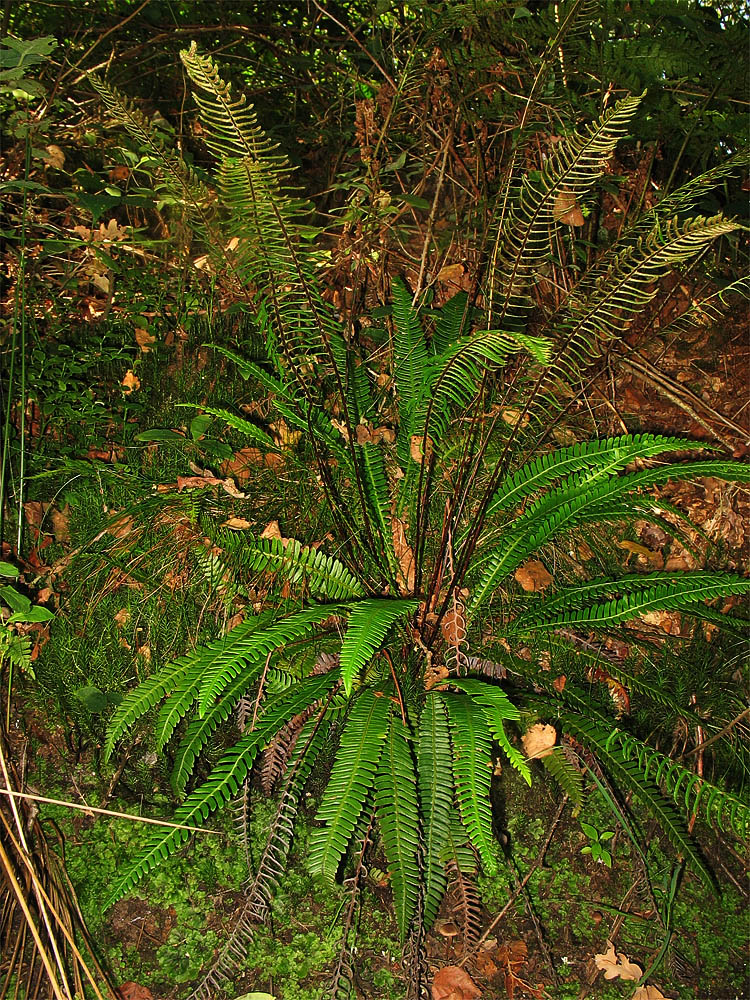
(533, 576)
(284, 436)
(237, 524)
(512, 417)
(130, 383)
(453, 983)
(539, 741)
(617, 966)
(566, 209)
(648, 993)
(559, 683)
(144, 339)
(405, 555)
(272, 530)
(60, 525)
(54, 157)
(668, 621)
(415, 448)
(133, 991)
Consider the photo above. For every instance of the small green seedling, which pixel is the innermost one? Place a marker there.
(595, 847)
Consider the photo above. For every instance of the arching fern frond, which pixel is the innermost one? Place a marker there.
(640, 594)
(249, 642)
(497, 708)
(223, 783)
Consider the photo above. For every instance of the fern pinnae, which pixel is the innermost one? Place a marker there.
(254, 643)
(357, 759)
(223, 783)
(436, 799)
(472, 770)
(497, 708)
(398, 819)
(368, 624)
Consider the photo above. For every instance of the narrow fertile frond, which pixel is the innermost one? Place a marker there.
(436, 801)
(571, 170)
(223, 783)
(688, 789)
(357, 760)
(497, 708)
(398, 818)
(472, 771)
(366, 628)
(628, 774)
(253, 641)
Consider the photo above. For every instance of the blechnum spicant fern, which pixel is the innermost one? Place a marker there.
(432, 514)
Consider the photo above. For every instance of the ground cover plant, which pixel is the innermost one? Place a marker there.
(445, 638)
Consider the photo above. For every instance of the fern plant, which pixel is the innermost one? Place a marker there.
(431, 522)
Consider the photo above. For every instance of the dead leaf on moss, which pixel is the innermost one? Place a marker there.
(454, 983)
(559, 683)
(130, 383)
(415, 448)
(133, 991)
(533, 576)
(648, 993)
(668, 621)
(60, 525)
(539, 741)
(617, 966)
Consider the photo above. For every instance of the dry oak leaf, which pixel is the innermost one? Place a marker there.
(533, 576)
(617, 965)
(453, 983)
(648, 993)
(539, 741)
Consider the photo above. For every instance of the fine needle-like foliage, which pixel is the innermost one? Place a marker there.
(429, 524)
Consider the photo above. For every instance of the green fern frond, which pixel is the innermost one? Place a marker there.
(566, 774)
(410, 361)
(237, 423)
(223, 783)
(436, 800)
(324, 576)
(599, 458)
(248, 643)
(452, 323)
(366, 628)
(472, 772)
(398, 818)
(574, 502)
(497, 708)
(677, 591)
(357, 760)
